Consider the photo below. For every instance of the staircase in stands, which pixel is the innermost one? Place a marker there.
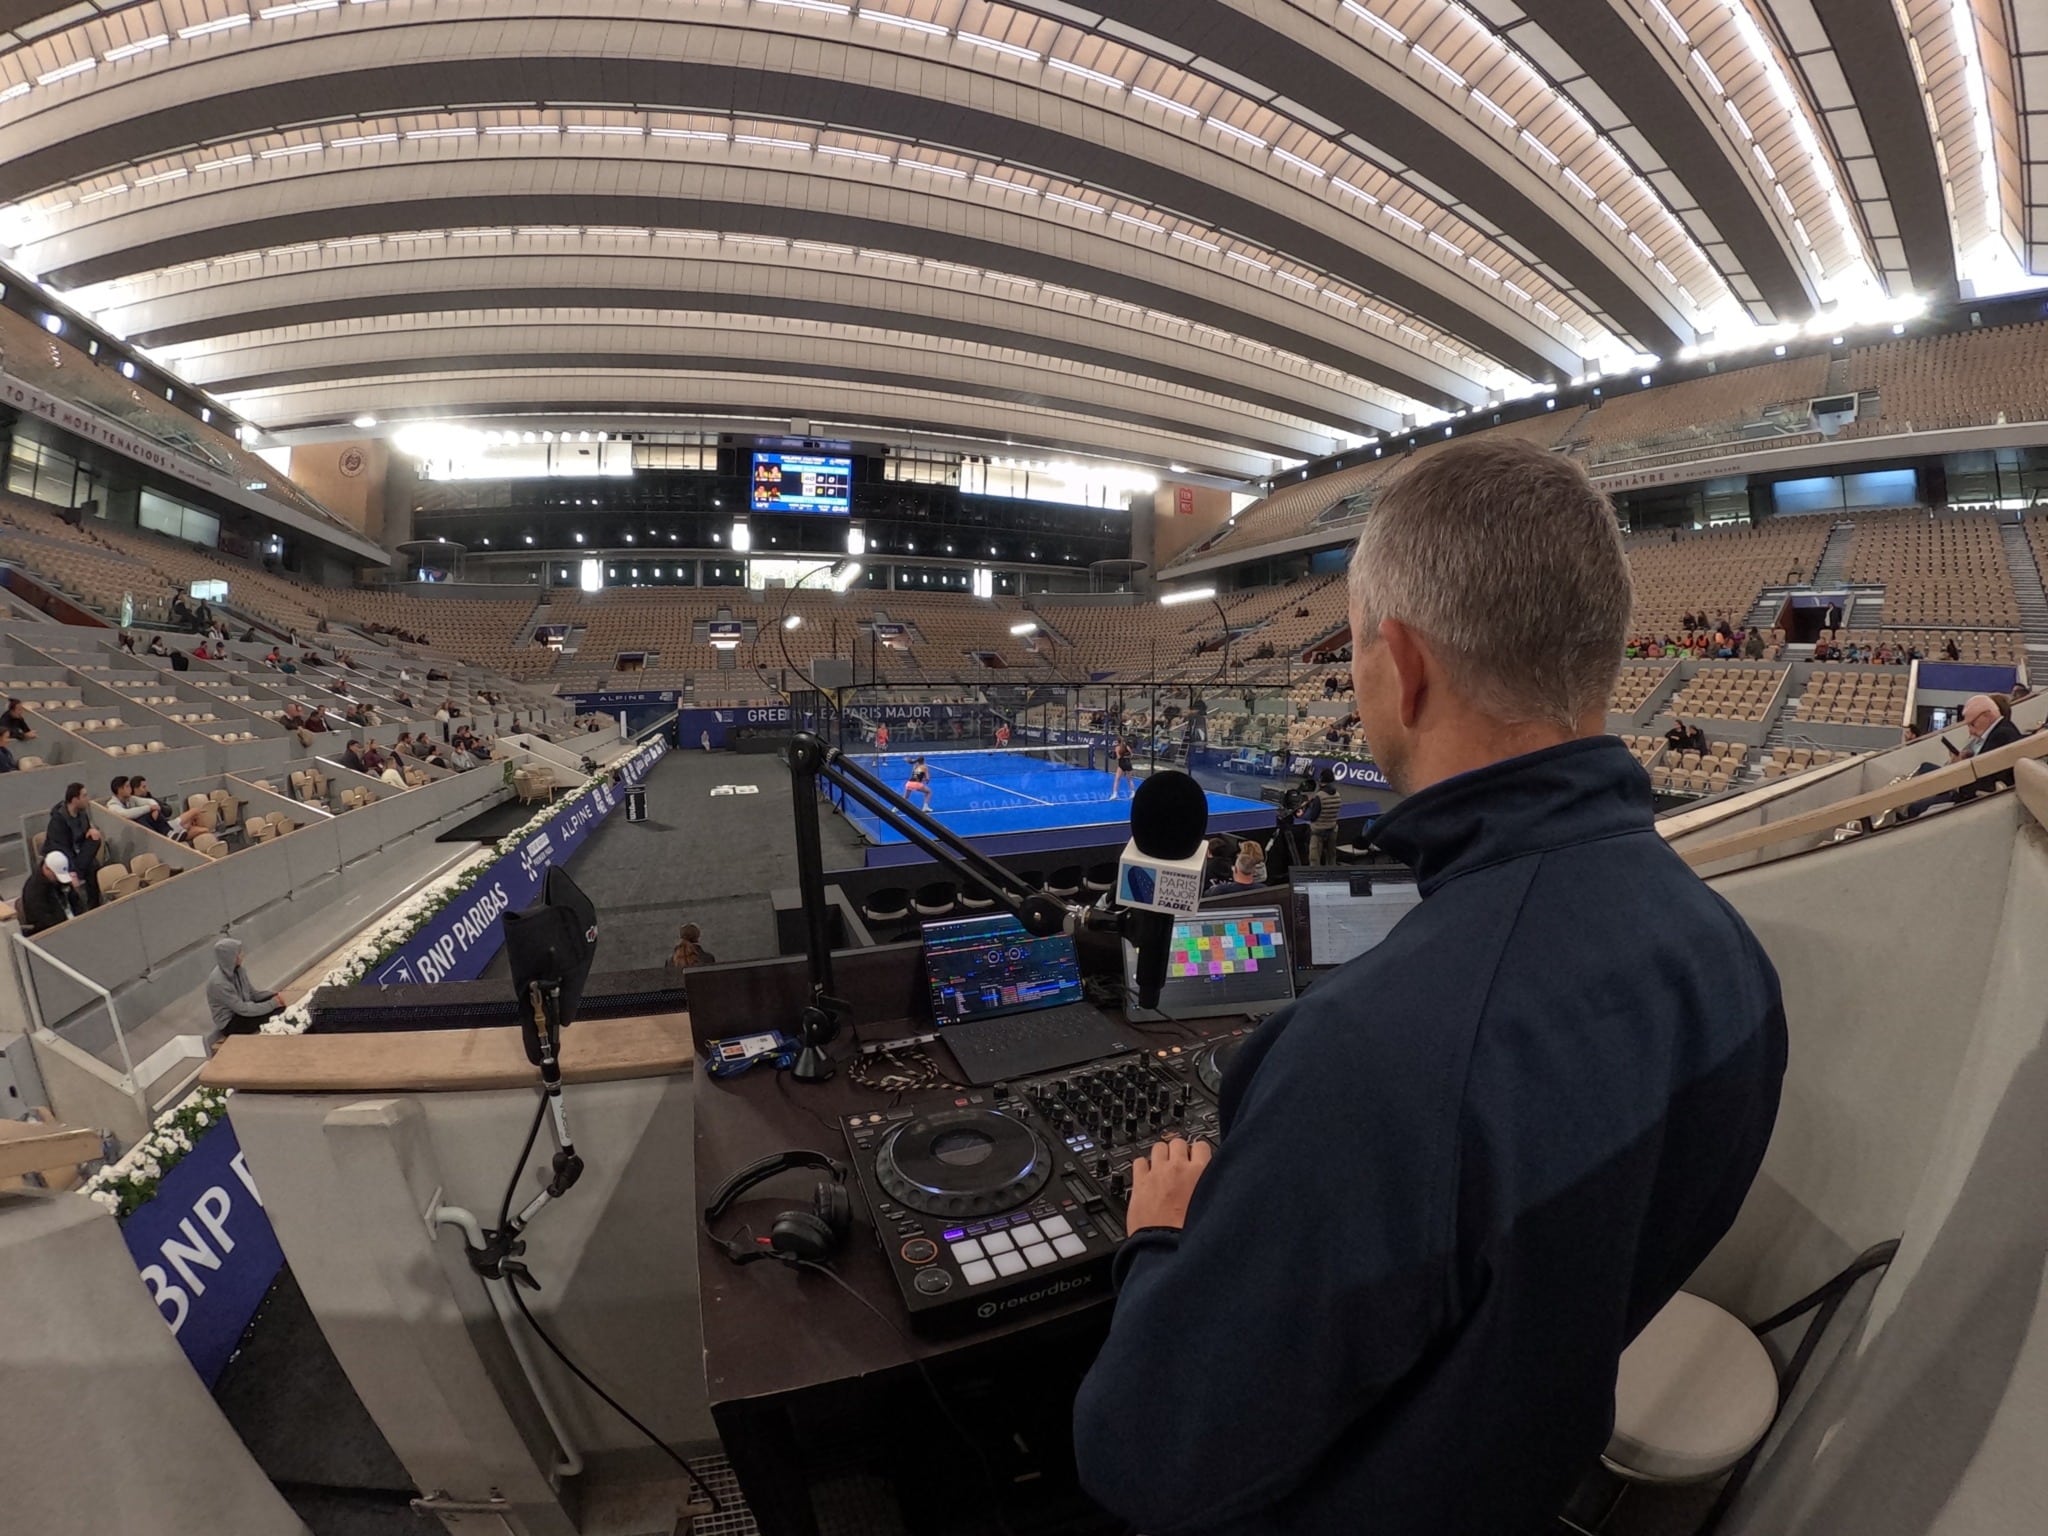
(2026, 586)
(1833, 570)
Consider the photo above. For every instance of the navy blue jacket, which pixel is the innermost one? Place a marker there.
(1456, 1179)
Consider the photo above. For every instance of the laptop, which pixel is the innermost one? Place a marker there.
(1220, 964)
(1340, 914)
(1009, 1004)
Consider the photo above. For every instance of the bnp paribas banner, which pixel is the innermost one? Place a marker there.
(457, 942)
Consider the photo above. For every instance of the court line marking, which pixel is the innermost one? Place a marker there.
(1001, 789)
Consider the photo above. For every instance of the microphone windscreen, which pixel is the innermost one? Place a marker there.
(1169, 815)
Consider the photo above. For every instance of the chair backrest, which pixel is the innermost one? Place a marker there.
(110, 875)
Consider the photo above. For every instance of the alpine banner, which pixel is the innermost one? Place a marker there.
(457, 942)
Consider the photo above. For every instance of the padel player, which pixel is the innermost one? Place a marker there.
(882, 739)
(1126, 771)
(1002, 733)
(1455, 1181)
(920, 782)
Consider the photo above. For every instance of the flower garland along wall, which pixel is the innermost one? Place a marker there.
(131, 1182)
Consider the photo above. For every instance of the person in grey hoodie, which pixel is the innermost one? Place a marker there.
(239, 1006)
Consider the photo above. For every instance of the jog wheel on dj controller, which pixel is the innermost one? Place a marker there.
(962, 1163)
(1211, 1064)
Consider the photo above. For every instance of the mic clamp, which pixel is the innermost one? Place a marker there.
(502, 1257)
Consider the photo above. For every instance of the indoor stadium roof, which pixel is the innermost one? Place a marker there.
(1216, 232)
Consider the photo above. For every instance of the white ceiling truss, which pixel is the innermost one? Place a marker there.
(1259, 230)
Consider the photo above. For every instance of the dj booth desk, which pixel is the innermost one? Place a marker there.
(806, 1382)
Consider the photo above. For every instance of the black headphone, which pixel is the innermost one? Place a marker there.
(795, 1237)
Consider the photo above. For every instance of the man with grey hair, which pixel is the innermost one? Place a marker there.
(1459, 1176)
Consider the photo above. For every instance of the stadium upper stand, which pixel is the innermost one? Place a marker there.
(1920, 384)
(53, 365)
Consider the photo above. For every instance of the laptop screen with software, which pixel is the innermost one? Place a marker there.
(982, 966)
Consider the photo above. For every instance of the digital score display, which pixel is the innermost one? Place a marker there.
(803, 482)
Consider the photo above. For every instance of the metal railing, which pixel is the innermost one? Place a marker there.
(127, 1082)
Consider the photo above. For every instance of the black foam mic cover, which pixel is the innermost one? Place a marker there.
(1169, 815)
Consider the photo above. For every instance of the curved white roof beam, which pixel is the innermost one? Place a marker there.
(750, 345)
(421, 273)
(841, 408)
(44, 227)
(229, 202)
(1959, 51)
(322, 57)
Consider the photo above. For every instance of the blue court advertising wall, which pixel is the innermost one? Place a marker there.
(205, 1249)
(463, 937)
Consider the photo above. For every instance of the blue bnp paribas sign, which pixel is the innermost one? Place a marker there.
(205, 1249)
(464, 936)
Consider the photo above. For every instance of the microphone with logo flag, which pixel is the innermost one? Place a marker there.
(1159, 876)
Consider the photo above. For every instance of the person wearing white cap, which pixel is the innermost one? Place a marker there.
(51, 894)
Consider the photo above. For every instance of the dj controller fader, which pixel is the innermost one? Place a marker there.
(993, 1203)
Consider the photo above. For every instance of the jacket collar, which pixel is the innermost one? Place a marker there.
(1577, 792)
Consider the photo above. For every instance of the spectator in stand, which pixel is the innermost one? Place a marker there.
(352, 755)
(239, 1005)
(157, 646)
(51, 895)
(1248, 870)
(690, 949)
(72, 834)
(181, 613)
(127, 642)
(7, 762)
(1989, 730)
(273, 658)
(1685, 738)
(131, 799)
(15, 722)
(294, 720)
(1950, 650)
(1753, 647)
(389, 773)
(359, 714)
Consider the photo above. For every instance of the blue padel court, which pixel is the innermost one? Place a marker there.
(1022, 800)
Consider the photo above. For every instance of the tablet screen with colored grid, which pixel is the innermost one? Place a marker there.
(1225, 945)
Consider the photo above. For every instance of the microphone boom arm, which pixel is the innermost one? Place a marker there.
(811, 760)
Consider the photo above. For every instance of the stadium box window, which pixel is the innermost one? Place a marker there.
(160, 514)
(47, 474)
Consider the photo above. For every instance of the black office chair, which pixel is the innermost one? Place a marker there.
(1099, 881)
(1065, 882)
(887, 912)
(935, 900)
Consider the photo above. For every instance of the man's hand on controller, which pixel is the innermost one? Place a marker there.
(1163, 1182)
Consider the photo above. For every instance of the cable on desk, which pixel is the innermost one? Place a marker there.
(782, 1087)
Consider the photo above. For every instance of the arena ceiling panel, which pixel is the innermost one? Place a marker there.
(1225, 233)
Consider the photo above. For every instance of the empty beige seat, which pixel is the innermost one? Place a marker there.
(1695, 1393)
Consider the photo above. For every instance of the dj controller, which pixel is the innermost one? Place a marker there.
(992, 1203)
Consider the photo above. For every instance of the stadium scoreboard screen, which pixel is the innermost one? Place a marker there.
(803, 482)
